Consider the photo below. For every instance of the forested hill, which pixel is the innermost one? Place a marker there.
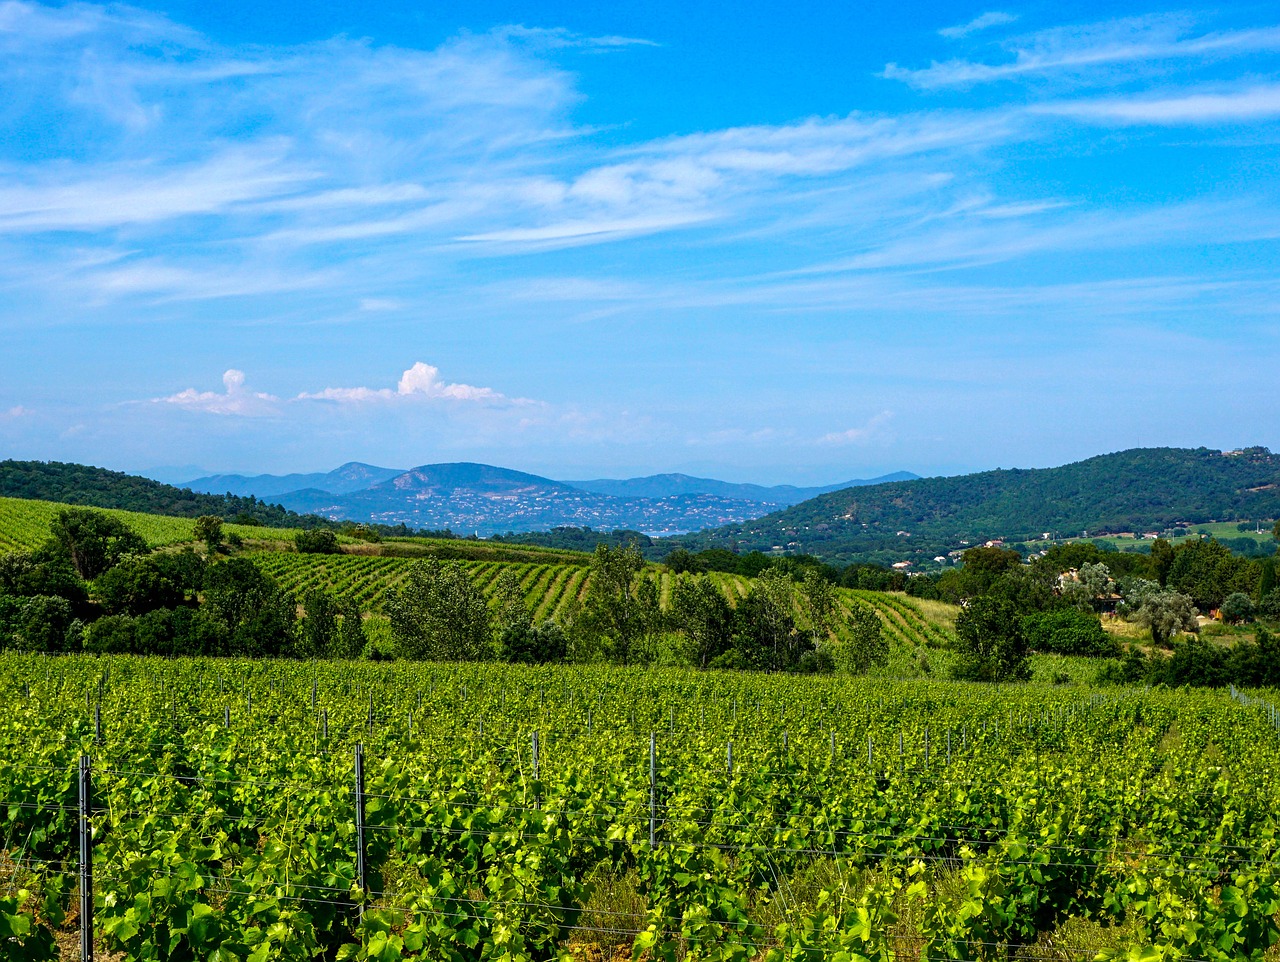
(1142, 489)
(100, 488)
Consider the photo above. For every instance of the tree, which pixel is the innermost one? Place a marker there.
(1269, 606)
(511, 611)
(136, 587)
(93, 541)
(613, 617)
(257, 616)
(1135, 591)
(1166, 613)
(765, 634)
(1266, 577)
(319, 629)
(1029, 589)
(439, 614)
(46, 624)
(682, 561)
(25, 574)
(1237, 608)
(700, 612)
(991, 642)
(865, 645)
(1094, 583)
(1161, 560)
(112, 635)
(184, 568)
(351, 638)
(1207, 572)
(208, 528)
(316, 541)
(527, 645)
(819, 600)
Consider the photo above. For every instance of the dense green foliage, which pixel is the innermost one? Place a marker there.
(793, 818)
(574, 538)
(1138, 490)
(100, 488)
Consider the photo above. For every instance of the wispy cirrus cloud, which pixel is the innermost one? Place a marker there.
(1195, 107)
(860, 434)
(1083, 52)
(360, 198)
(984, 21)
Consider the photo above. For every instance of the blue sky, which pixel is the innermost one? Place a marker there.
(806, 243)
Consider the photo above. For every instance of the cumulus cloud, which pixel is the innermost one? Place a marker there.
(420, 382)
(18, 411)
(992, 18)
(234, 400)
(858, 435)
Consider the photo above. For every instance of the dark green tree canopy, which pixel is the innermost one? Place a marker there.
(93, 541)
(991, 642)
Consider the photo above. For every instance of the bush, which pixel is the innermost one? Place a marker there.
(317, 541)
(1068, 631)
(544, 644)
(1237, 608)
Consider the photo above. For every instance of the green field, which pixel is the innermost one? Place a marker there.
(788, 818)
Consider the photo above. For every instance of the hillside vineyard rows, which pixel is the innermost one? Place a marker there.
(524, 813)
(366, 580)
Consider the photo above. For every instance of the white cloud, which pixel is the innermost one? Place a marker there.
(1082, 50)
(858, 435)
(421, 381)
(234, 400)
(1252, 103)
(74, 197)
(16, 412)
(992, 18)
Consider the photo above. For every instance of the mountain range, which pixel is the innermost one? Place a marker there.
(466, 496)
(1142, 490)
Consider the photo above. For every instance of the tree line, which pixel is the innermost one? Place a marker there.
(1054, 604)
(438, 612)
(96, 586)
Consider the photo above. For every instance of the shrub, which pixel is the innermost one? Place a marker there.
(1068, 631)
(533, 646)
(317, 541)
(1237, 608)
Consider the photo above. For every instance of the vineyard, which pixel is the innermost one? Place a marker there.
(549, 587)
(902, 619)
(254, 810)
(24, 525)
